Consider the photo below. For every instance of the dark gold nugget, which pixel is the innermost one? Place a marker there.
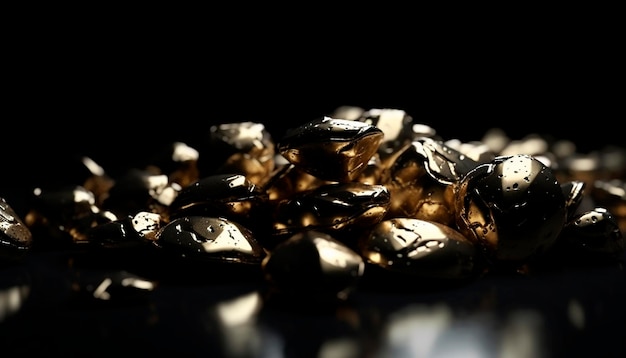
(422, 249)
(232, 196)
(331, 149)
(210, 239)
(16, 238)
(332, 207)
(513, 207)
(312, 264)
(420, 177)
(245, 148)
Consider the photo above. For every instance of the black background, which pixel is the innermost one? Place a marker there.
(115, 87)
(118, 103)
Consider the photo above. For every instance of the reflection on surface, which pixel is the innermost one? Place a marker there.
(575, 313)
(414, 330)
(237, 320)
(14, 291)
(522, 335)
(340, 347)
(436, 331)
(11, 300)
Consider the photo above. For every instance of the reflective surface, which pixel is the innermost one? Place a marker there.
(44, 310)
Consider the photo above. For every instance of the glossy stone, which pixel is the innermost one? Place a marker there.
(96, 179)
(514, 208)
(288, 180)
(425, 199)
(141, 190)
(147, 225)
(129, 231)
(116, 233)
(396, 125)
(228, 195)
(441, 161)
(245, 148)
(312, 262)
(212, 239)
(331, 149)
(574, 192)
(591, 236)
(64, 216)
(332, 207)
(419, 178)
(611, 194)
(178, 161)
(80, 170)
(421, 248)
(373, 171)
(16, 239)
(110, 287)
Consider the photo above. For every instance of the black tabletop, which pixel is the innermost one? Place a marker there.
(573, 312)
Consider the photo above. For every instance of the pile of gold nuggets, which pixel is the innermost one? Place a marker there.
(339, 198)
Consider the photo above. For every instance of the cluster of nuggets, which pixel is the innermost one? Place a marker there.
(345, 194)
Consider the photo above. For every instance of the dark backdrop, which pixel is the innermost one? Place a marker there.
(120, 102)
